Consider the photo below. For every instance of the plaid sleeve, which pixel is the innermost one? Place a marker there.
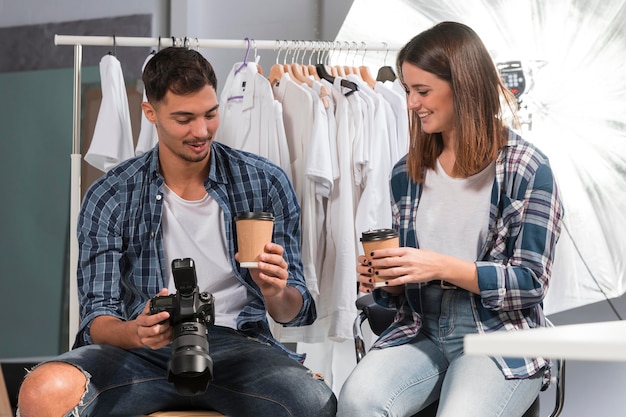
(100, 248)
(517, 272)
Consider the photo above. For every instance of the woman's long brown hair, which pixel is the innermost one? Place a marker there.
(454, 53)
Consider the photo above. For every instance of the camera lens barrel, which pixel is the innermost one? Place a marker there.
(190, 366)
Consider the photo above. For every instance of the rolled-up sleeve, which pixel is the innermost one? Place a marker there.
(517, 272)
(100, 244)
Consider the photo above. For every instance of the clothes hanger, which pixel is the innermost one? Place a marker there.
(364, 70)
(114, 52)
(329, 49)
(386, 73)
(323, 74)
(244, 64)
(256, 58)
(305, 67)
(311, 68)
(297, 69)
(289, 69)
(352, 69)
(276, 70)
(158, 48)
(341, 72)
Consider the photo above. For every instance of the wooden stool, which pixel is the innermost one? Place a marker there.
(5, 405)
(187, 414)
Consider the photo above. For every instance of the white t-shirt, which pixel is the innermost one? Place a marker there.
(453, 213)
(397, 101)
(195, 229)
(148, 136)
(112, 140)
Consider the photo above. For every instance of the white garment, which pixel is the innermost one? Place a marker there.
(195, 229)
(248, 116)
(318, 181)
(397, 102)
(321, 162)
(303, 118)
(391, 128)
(297, 109)
(285, 161)
(148, 136)
(322, 167)
(112, 140)
(372, 162)
(349, 126)
(453, 213)
(316, 161)
(336, 310)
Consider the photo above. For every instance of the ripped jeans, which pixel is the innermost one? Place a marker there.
(250, 378)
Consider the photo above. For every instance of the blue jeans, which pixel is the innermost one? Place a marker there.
(402, 380)
(250, 378)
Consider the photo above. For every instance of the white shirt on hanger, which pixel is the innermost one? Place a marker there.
(285, 159)
(148, 137)
(323, 169)
(336, 309)
(248, 116)
(112, 140)
(372, 162)
(391, 128)
(301, 121)
(317, 170)
(394, 94)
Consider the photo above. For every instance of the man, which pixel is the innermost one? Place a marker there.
(177, 201)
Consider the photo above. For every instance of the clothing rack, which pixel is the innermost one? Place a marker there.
(158, 42)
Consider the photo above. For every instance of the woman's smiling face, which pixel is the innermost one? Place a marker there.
(431, 98)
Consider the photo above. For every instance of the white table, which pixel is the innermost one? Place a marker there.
(602, 341)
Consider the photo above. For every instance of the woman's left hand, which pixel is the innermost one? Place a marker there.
(405, 265)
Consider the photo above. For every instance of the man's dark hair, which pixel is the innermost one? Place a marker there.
(179, 70)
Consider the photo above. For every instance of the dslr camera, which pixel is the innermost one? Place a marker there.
(190, 368)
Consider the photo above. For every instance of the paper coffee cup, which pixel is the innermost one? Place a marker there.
(375, 239)
(254, 231)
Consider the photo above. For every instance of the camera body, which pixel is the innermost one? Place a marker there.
(190, 368)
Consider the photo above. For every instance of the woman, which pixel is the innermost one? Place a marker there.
(478, 214)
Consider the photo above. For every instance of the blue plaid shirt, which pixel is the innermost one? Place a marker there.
(515, 263)
(121, 260)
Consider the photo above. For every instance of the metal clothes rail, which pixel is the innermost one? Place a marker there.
(162, 41)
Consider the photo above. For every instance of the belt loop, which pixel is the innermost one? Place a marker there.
(446, 285)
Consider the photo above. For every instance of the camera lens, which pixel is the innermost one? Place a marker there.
(190, 366)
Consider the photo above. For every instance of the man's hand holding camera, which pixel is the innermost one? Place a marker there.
(146, 330)
(154, 330)
(283, 302)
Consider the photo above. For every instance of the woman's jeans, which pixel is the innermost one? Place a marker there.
(402, 380)
(250, 379)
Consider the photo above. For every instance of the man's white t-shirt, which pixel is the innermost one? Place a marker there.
(195, 229)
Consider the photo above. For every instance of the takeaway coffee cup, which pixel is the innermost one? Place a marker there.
(254, 230)
(379, 239)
